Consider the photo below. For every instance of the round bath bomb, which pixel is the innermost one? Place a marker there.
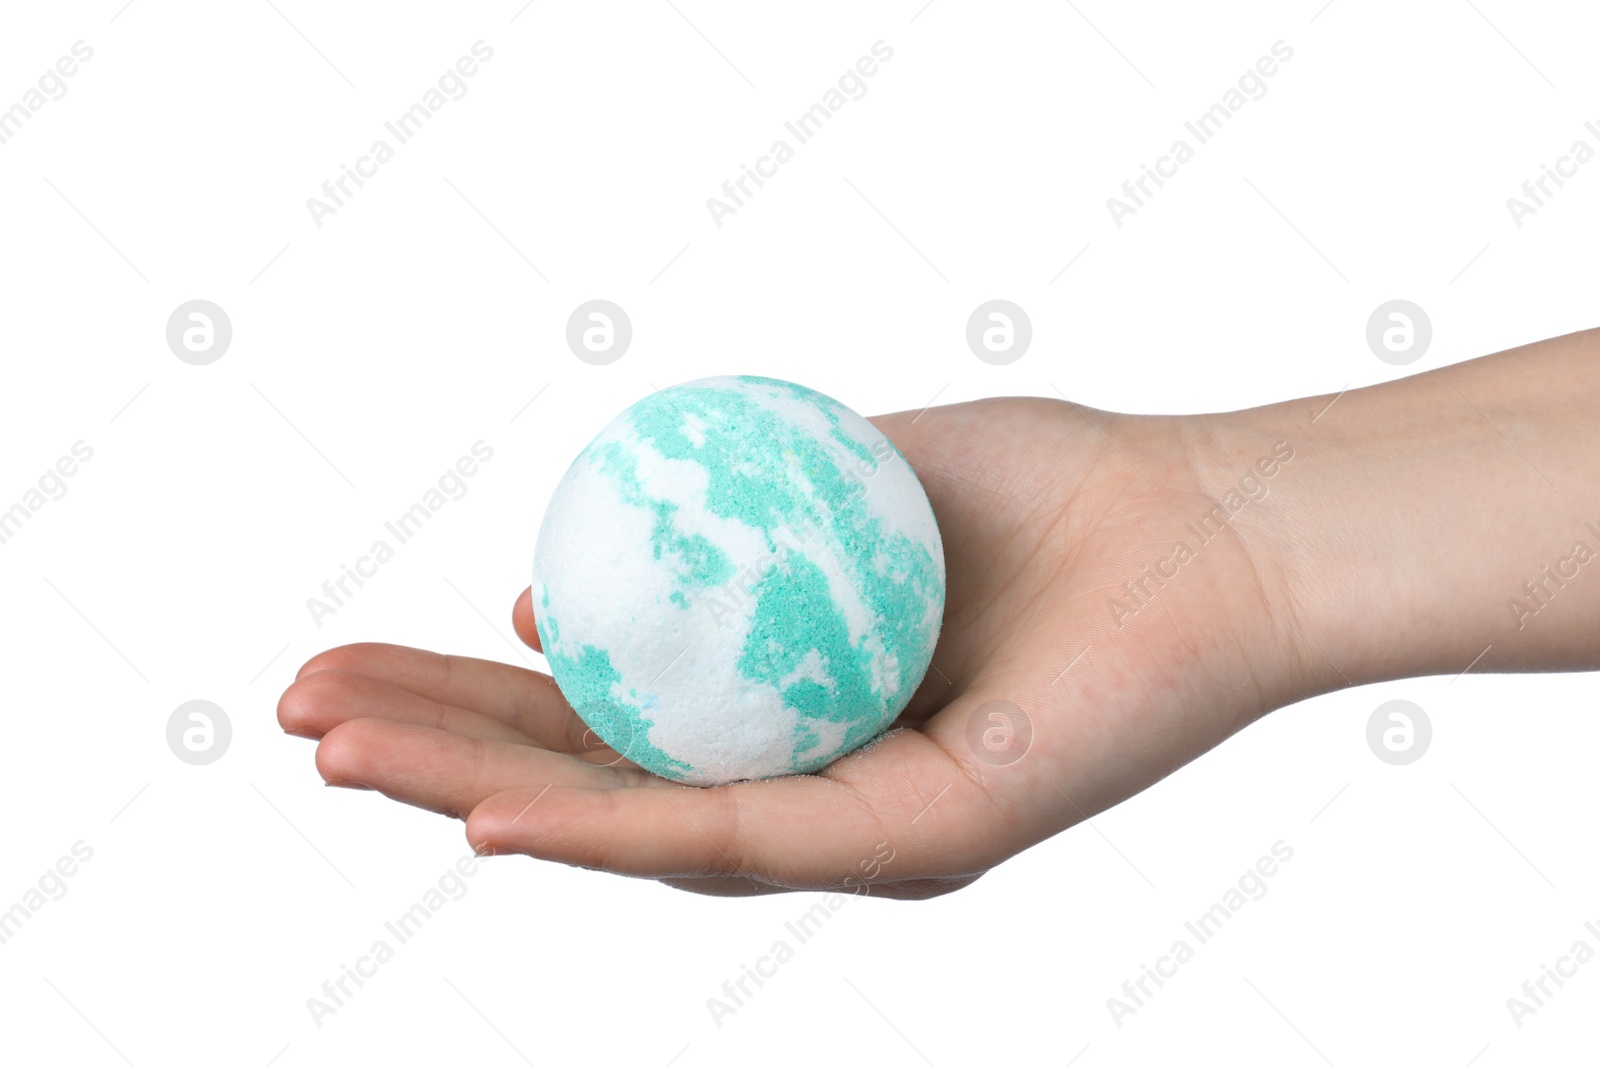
(738, 578)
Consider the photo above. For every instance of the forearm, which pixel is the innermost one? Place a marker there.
(1431, 521)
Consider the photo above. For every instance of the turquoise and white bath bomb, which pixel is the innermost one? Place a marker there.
(738, 578)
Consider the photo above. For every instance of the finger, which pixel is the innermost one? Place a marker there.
(920, 888)
(911, 889)
(522, 620)
(904, 797)
(525, 700)
(448, 773)
(321, 700)
(725, 887)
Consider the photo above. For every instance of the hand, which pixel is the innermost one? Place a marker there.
(1045, 704)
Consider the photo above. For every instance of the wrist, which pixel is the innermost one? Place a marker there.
(1247, 465)
(1417, 515)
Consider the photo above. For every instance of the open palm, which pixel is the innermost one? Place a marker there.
(1044, 706)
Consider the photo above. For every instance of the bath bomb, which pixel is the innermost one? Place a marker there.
(738, 578)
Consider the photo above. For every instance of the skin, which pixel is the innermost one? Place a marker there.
(1390, 545)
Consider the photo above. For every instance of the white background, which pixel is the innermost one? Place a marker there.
(370, 353)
